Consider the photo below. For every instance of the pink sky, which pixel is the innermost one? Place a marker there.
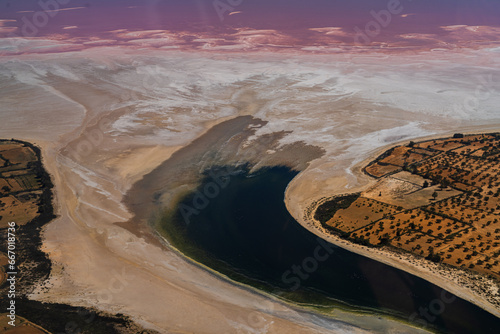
(311, 26)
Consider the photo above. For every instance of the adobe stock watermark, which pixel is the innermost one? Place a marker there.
(255, 321)
(93, 138)
(381, 19)
(41, 18)
(86, 315)
(485, 88)
(436, 307)
(30, 25)
(115, 286)
(225, 7)
(11, 274)
(220, 179)
(150, 78)
(301, 272)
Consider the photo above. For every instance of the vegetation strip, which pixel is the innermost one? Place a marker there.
(438, 199)
(26, 199)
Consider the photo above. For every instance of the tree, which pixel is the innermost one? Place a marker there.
(444, 183)
(434, 195)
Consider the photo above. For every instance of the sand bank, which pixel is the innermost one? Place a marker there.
(101, 131)
(477, 289)
(98, 264)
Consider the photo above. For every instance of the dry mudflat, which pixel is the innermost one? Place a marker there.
(101, 132)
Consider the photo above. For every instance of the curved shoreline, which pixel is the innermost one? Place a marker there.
(340, 314)
(364, 319)
(340, 311)
(155, 180)
(446, 278)
(35, 267)
(88, 239)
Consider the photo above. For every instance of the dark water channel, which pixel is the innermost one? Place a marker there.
(245, 232)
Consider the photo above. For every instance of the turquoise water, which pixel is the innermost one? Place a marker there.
(239, 226)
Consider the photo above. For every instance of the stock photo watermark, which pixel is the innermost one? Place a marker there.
(151, 78)
(41, 18)
(72, 327)
(201, 199)
(485, 88)
(11, 273)
(115, 285)
(91, 140)
(220, 177)
(436, 307)
(301, 272)
(30, 25)
(255, 321)
(381, 20)
(225, 8)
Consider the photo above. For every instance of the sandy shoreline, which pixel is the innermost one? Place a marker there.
(273, 316)
(101, 131)
(464, 284)
(253, 311)
(399, 261)
(185, 162)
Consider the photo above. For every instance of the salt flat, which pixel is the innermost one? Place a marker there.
(104, 118)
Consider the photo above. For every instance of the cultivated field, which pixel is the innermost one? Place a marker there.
(438, 199)
(23, 326)
(20, 192)
(20, 188)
